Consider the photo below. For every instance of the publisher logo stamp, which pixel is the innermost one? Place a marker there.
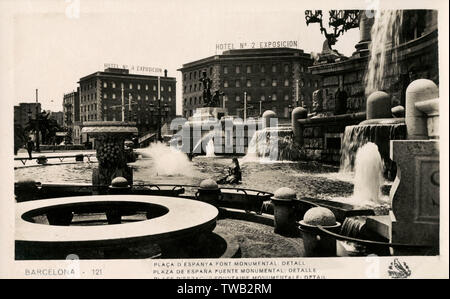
(398, 269)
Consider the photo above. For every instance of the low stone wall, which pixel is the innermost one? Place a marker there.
(322, 137)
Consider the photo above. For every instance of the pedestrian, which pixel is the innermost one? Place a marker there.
(30, 146)
(234, 174)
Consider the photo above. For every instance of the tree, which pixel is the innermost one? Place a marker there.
(44, 125)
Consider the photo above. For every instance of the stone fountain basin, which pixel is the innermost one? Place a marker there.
(183, 219)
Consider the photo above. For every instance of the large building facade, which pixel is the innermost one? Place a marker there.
(102, 94)
(275, 79)
(71, 108)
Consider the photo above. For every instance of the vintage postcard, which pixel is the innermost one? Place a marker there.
(224, 140)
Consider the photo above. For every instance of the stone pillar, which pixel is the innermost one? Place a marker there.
(298, 113)
(284, 211)
(365, 26)
(267, 116)
(316, 243)
(416, 121)
(209, 192)
(415, 195)
(378, 105)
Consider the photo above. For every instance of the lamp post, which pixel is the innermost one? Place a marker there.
(158, 115)
(123, 106)
(35, 122)
(245, 106)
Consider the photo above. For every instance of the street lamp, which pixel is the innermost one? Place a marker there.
(245, 106)
(159, 115)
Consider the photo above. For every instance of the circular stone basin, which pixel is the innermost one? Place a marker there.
(183, 218)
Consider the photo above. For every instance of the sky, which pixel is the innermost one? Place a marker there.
(58, 42)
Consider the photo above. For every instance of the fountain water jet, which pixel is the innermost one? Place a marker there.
(167, 160)
(210, 148)
(385, 35)
(368, 175)
(273, 144)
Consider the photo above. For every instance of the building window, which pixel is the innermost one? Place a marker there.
(302, 83)
(146, 97)
(195, 75)
(162, 99)
(249, 69)
(263, 97)
(286, 68)
(170, 99)
(154, 87)
(286, 82)
(190, 76)
(263, 82)
(162, 88)
(316, 84)
(114, 96)
(131, 86)
(274, 68)
(139, 86)
(249, 83)
(105, 96)
(146, 86)
(105, 85)
(286, 97)
(225, 70)
(238, 98)
(190, 101)
(238, 69)
(113, 85)
(170, 88)
(195, 87)
(139, 97)
(263, 69)
(154, 98)
(225, 83)
(210, 70)
(238, 83)
(274, 97)
(274, 82)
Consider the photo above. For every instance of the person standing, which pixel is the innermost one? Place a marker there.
(30, 146)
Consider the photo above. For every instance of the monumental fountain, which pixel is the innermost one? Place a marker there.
(113, 216)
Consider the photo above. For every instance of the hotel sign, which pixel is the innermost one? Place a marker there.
(134, 68)
(257, 45)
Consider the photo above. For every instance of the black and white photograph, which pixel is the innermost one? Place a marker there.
(224, 139)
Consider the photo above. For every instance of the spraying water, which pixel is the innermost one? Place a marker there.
(385, 35)
(368, 175)
(210, 148)
(168, 160)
